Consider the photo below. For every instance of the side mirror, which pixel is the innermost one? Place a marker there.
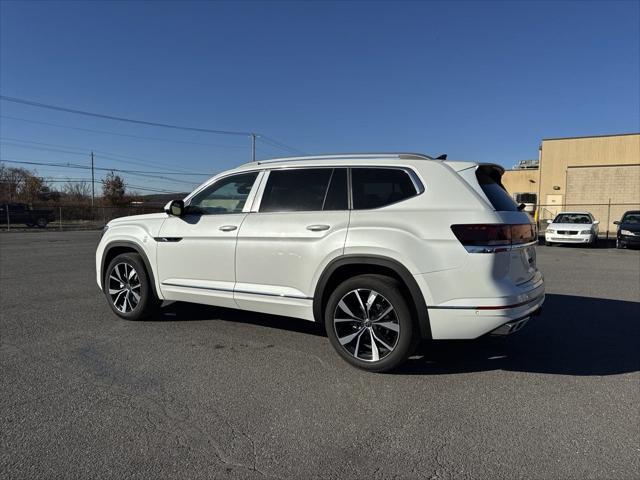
(617, 222)
(175, 208)
(596, 222)
(549, 221)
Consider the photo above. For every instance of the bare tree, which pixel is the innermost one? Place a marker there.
(77, 191)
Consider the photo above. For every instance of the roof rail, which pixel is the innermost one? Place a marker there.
(338, 156)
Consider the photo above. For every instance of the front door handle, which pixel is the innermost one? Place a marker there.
(228, 228)
(318, 228)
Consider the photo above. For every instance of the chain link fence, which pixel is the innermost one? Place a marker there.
(66, 217)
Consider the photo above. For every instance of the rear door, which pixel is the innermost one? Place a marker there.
(300, 224)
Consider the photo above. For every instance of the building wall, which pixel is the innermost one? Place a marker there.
(557, 156)
(584, 174)
(607, 192)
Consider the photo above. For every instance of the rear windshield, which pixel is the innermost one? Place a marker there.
(489, 180)
(572, 218)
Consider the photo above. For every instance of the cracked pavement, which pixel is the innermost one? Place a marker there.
(203, 392)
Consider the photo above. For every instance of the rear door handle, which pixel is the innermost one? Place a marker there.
(228, 228)
(318, 228)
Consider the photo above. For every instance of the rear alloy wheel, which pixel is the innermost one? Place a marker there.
(127, 288)
(369, 323)
(41, 222)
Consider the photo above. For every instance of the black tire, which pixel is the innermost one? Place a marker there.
(550, 244)
(147, 304)
(405, 339)
(42, 222)
(619, 244)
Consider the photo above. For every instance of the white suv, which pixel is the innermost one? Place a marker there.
(384, 249)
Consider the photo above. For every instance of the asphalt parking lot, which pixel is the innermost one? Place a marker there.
(201, 392)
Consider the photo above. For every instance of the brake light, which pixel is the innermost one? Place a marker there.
(493, 238)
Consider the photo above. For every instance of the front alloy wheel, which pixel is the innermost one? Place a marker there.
(128, 288)
(124, 287)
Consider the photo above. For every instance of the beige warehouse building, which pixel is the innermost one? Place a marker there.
(598, 174)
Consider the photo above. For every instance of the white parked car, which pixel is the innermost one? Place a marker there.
(572, 227)
(383, 249)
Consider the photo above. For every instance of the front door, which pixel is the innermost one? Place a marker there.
(196, 251)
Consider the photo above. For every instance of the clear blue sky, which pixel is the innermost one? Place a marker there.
(477, 80)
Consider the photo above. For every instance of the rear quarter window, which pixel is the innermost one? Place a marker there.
(490, 182)
(378, 187)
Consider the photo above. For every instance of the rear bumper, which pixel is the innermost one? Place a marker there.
(472, 318)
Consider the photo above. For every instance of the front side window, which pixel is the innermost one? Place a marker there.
(377, 187)
(305, 190)
(227, 195)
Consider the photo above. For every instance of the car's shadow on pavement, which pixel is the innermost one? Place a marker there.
(182, 311)
(573, 336)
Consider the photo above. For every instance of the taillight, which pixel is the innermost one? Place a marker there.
(493, 238)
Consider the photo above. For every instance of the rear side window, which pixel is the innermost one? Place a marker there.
(305, 189)
(491, 184)
(337, 197)
(377, 187)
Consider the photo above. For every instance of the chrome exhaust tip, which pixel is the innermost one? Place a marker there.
(510, 327)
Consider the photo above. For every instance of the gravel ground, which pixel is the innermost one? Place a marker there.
(202, 392)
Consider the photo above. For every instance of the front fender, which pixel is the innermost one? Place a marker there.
(136, 237)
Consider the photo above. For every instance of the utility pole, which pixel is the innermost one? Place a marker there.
(93, 183)
(253, 147)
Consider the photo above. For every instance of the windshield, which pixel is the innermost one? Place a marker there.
(631, 218)
(572, 218)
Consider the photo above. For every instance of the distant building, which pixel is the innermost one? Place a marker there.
(580, 173)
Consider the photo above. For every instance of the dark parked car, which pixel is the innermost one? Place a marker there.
(21, 213)
(628, 230)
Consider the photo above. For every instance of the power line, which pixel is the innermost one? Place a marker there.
(85, 167)
(281, 145)
(105, 132)
(79, 151)
(148, 123)
(121, 119)
(127, 185)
